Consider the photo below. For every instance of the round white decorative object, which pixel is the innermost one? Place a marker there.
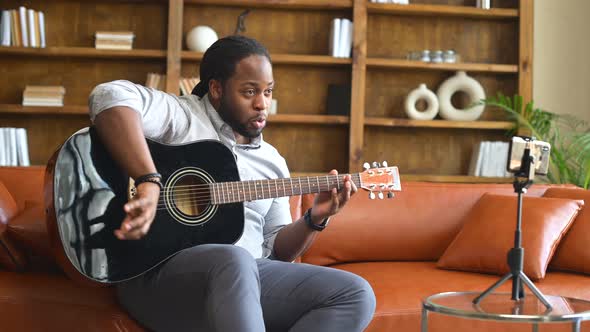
(200, 38)
(460, 82)
(422, 92)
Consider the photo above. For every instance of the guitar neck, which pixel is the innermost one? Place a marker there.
(240, 191)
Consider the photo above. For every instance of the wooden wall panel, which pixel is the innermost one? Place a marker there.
(493, 41)
(77, 75)
(73, 23)
(310, 148)
(425, 151)
(281, 31)
(388, 89)
(298, 89)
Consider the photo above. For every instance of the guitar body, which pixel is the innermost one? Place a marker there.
(86, 190)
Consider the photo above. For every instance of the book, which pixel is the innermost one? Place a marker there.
(32, 30)
(345, 38)
(41, 30)
(6, 28)
(335, 38)
(22, 12)
(22, 147)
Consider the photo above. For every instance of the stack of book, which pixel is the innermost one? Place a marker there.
(22, 27)
(187, 84)
(341, 38)
(44, 95)
(158, 82)
(489, 159)
(114, 40)
(14, 149)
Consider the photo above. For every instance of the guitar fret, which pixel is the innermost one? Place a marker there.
(300, 189)
(291, 182)
(308, 185)
(284, 187)
(276, 187)
(338, 182)
(268, 186)
(249, 192)
(317, 178)
(328, 184)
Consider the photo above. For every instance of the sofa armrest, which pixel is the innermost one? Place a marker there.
(24, 183)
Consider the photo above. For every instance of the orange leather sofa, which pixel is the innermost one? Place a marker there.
(394, 244)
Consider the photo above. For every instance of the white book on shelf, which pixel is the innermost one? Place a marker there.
(22, 15)
(32, 31)
(475, 164)
(42, 29)
(3, 150)
(6, 28)
(23, 147)
(335, 37)
(345, 38)
(486, 159)
(13, 159)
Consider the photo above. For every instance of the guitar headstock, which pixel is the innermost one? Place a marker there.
(380, 178)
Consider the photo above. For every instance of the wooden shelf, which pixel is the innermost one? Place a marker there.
(443, 10)
(286, 59)
(84, 52)
(397, 122)
(453, 178)
(20, 109)
(308, 118)
(279, 4)
(471, 67)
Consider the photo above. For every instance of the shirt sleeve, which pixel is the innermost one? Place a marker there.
(162, 116)
(277, 217)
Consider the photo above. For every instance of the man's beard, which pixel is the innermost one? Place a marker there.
(226, 112)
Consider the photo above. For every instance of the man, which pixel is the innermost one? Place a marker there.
(249, 286)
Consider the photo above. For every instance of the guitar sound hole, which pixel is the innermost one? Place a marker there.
(191, 195)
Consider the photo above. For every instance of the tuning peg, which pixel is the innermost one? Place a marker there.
(366, 166)
(384, 163)
(390, 195)
(376, 164)
(380, 195)
(371, 195)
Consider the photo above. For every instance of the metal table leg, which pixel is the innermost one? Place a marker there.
(535, 327)
(424, 324)
(576, 325)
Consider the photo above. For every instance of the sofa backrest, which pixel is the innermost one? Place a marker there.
(417, 225)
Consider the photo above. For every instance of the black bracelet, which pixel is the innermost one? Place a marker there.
(315, 227)
(151, 177)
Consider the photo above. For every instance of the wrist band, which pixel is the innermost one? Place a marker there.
(150, 177)
(315, 227)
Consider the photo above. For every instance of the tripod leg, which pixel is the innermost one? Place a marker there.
(491, 289)
(535, 290)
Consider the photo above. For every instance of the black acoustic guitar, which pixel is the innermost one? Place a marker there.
(201, 202)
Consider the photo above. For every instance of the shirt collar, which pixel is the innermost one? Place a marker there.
(224, 129)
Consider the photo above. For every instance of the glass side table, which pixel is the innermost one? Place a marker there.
(500, 307)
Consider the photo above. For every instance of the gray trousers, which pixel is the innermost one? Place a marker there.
(223, 288)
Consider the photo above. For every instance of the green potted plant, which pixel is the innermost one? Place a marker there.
(569, 138)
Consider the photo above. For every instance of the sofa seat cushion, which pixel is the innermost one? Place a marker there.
(400, 286)
(44, 302)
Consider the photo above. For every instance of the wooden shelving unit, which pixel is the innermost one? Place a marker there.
(471, 67)
(495, 47)
(83, 52)
(443, 10)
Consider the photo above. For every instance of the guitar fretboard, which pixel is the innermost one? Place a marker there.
(240, 191)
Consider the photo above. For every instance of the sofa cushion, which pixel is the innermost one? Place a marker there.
(400, 287)
(11, 258)
(58, 304)
(488, 234)
(572, 254)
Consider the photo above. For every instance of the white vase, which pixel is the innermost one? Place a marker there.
(422, 92)
(200, 38)
(460, 82)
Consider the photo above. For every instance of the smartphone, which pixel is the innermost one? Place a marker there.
(539, 149)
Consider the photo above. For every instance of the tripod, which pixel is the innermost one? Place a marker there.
(523, 179)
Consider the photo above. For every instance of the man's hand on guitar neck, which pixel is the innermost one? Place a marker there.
(328, 203)
(141, 211)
